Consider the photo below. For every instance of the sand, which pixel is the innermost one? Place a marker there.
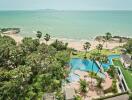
(78, 45)
(16, 37)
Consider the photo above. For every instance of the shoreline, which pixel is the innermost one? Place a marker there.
(72, 43)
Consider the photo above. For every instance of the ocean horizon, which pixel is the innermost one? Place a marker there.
(78, 25)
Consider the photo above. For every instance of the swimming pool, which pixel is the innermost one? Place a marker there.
(83, 65)
(73, 77)
(86, 65)
(110, 62)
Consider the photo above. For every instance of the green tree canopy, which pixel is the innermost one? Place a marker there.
(39, 34)
(30, 69)
(128, 46)
(47, 37)
(59, 45)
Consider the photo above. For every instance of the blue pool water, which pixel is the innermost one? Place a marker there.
(107, 65)
(83, 65)
(86, 65)
(73, 77)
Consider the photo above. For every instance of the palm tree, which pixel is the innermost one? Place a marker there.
(99, 47)
(99, 85)
(86, 47)
(83, 86)
(120, 41)
(99, 81)
(47, 38)
(93, 58)
(102, 59)
(107, 37)
(39, 34)
(112, 71)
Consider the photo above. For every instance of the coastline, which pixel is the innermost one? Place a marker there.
(76, 44)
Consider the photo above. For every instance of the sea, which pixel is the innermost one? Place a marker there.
(77, 25)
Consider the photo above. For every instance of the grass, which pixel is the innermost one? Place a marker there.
(127, 73)
(104, 52)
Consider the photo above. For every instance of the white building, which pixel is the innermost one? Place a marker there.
(126, 60)
(49, 96)
(69, 94)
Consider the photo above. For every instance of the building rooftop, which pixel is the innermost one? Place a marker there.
(49, 96)
(69, 93)
(126, 58)
(121, 97)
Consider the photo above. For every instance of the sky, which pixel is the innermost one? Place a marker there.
(66, 4)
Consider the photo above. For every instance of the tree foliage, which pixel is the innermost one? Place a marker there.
(47, 37)
(108, 36)
(112, 71)
(59, 45)
(128, 46)
(30, 69)
(39, 34)
(83, 86)
(99, 47)
(86, 47)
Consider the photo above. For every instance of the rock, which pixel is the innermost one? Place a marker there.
(10, 30)
(113, 39)
(99, 38)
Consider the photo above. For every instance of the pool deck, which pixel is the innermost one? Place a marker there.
(91, 93)
(108, 82)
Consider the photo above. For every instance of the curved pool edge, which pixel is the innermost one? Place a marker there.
(110, 58)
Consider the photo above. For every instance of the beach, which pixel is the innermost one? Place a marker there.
(76, 44)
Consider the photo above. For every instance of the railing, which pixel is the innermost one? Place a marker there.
(121, 78)
(99, 65)
(110, 96)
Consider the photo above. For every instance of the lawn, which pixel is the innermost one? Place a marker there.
(127, 74)
(104, 52)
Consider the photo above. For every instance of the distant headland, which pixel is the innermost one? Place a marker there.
(10, 30)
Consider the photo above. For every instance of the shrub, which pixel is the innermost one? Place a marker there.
(130, 96)
(114, 87)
